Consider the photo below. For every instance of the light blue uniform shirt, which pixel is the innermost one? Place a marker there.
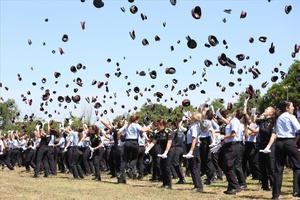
(142, 140)
(286, 126)
(234, 125)
(215, 125)
(51, 143)
(252, 138)
(61, 142)
(74, 139)
(133, 131)
(193, 131)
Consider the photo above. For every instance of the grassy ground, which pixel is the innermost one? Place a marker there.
(20, 185)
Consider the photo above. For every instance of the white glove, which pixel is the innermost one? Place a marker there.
(220, 137)
(163, 156)
(265, 150)
(65, 150)
(146, 151)
(216, 148)
(92, 149)
(188, 156)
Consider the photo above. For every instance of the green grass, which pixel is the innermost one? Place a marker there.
(20, 185)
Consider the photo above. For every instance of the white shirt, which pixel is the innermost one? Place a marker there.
(252, 138)
(133, 131)
(193, 132)
(286, 126)
(234, 125)
(1, 147)
(142, 140)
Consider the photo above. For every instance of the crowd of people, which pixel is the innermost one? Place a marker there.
(206, 143)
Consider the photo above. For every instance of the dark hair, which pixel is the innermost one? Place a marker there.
(283, 105)
(209, 115)
(94, 129)
(134, 118)
(239, 114)
(161, 122)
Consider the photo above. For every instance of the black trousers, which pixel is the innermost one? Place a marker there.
(267, 168)
(250, 159)
(51, 156)
(165, 166)
(177, 161)
(140, 162)
(119, 162)
(207, 166)
(5, 161)
(74, 161)
(41, 158)
(61, 159)
(194, 165)
(215, 159)
(230, 158)
(156, 171)
(16, 157)
(238, 169)
(131, 150)
(87, 163)
(97, 157)
(284, 148)
(29, 155)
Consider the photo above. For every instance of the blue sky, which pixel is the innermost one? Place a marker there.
(107, 36)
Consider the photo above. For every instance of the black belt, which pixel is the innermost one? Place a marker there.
(239, 142)
(281, 139)
(131, 140)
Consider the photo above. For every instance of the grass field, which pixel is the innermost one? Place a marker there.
(20, 185)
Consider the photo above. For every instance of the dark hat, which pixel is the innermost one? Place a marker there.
(132, 34)
(240, 57)
(53, 51)
(73, 69)
(264, 84)
(29, 42)
(173, 2)
(82, 24)
(142, 73)
(46, 19)
(76, 98)
(60, 99)
(65, 38)
(272, 48)
(243, 14)
(98, 3)
(61, 51)
(196, 12)
(262, 38)
(192, 86)
(213, 41)
(130, 1)
(230, 63)
(97, 105)
(136, 89)
(145, 42)
(207, 63)
(192, 44)
(45, 96)
(44, 80)
(153, 74)
(231, 84)
(100, 84)
(56, 74)
(202, 92)
(79, 66)
(157, 38)
(34, 83)
(133, 9)
(75, 90)
(67, 99)
(222, 59)
(250, 91)
(228, 11)
(159, 94)
(288, 9)
(170, 70)
(122, 9)
(94, 82)
(186, 102)
(251, 39)
(144, 17)
(175, 81)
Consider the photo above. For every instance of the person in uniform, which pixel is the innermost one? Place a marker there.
(286, 129)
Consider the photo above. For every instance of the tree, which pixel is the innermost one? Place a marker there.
(9, 113)
(287, 89)
(217, 104)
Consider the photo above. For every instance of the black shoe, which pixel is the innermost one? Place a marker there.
(46, 175)
(140, 177)
(265, 188)
(243, 187)
(181, 181)
(276, 198)
(198, 189)
(231, 192)
(209, 182)
(35, 176)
